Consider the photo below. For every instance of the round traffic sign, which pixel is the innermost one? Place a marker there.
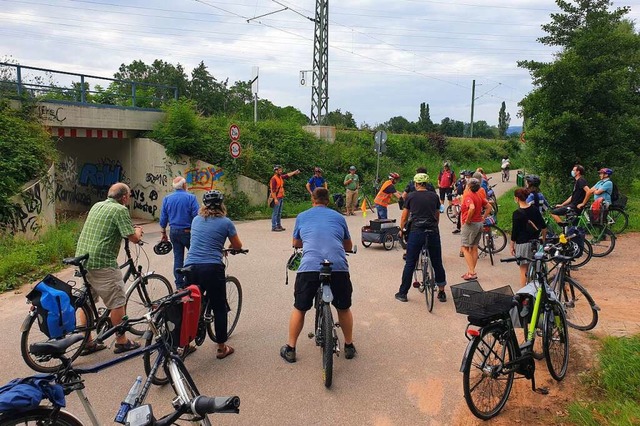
(234, 132)
(235, 149)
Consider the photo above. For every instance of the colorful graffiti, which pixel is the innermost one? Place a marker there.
(203, 178)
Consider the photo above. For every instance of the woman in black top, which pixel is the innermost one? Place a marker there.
(527, 225)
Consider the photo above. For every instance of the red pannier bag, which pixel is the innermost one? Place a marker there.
(183, 317)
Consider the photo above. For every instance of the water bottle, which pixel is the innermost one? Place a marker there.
(327, 296)
(441, 208)
(129, 401)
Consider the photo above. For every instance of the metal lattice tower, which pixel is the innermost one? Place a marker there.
(320, 89)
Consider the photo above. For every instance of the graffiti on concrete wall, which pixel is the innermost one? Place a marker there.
(101, 175)
(72, 195)
(203, 178)
(23, 217)
(157, 178)
(145, 199)
(67, 170)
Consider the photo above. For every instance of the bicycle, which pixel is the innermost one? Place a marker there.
(493, 239)
(188, 401)
(581, 251)
(140, 295)
(206, 320)
(505, 174)
(326, 336)
(453, 210)
(617, 219)
(602, 240)
(362, 196)
(424, 277)
(493, 355)
(491, 198)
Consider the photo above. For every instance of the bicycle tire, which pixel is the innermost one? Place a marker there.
(328, 344)
(30, 333)
(40, 416)
(370, 205)
(584, 256)
(580, 309)
(490, 246)
(429, 283)
(452, 214)
(160, 377)
(618, 220)
(603, 242)
(234, 306)
(499, 240)
(184, 387)
(555, 341)
(141, 295)
(486, 356)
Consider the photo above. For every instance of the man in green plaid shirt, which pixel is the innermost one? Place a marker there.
(107, 224)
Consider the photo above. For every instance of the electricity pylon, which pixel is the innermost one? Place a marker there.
(320, 89)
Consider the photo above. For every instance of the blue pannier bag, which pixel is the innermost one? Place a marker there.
(26, 394)
(54, 307)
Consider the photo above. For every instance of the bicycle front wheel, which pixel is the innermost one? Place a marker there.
(555, 341)
(31, 333)
(618, 220)
(499, 240)
(486, 384)
(141, 295)
(234, 305)
(185, 388)
(41, 416)
(328, 345)
(581, 310)
(452, 213)
(602, 240)
(428, 282)
(581, 257)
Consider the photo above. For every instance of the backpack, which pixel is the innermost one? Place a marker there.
(26, 394)
(55, 307)
(615, 193)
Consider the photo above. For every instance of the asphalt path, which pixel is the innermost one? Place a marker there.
(406, 370)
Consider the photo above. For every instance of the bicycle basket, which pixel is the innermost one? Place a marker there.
(470, 299)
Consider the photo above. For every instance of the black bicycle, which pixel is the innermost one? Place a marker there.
(424, 277)
(189, 405)
(143, 291)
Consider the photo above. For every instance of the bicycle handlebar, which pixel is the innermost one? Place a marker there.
(203, 405)
(235, 251)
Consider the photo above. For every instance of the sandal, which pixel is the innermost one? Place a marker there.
(186, 351)
(126, 347)
(92, 347)
(469, 277)
(225, 352)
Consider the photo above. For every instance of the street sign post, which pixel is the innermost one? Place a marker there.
(234, 132)
(235, 149)
(380, 146)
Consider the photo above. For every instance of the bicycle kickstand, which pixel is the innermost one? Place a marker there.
(540, 390)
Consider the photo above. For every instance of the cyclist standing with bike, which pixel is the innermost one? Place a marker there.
(424, 208)
(527, 225)
(323, 234)
(578, 198)
(108, 222)
(209, 232)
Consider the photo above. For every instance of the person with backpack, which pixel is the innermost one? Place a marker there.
(604, 187)
(535, 197)
(527, 225)
(446, 182)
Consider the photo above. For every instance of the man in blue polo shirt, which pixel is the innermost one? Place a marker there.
(178, 210)
(316, 181)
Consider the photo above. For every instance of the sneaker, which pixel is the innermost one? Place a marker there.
(289, 353)
(455, 231)
(277, 230)
(442, 296)
(401, 297)
(461, 254)
(349, 351)
(280, 228)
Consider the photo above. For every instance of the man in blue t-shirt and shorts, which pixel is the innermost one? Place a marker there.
(316, 181)
(323, 234)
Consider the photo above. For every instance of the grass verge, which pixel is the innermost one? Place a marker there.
(23, 261)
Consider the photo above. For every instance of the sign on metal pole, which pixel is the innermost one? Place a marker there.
(234, 132)
(380, 146)
(235, 149)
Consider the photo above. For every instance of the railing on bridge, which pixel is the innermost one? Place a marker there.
(20, 81)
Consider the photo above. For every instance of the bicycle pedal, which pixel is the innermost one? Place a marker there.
(336, 325)
(542, 391)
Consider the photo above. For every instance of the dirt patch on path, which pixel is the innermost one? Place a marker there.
(612, 282)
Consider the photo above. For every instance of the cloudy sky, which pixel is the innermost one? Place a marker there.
(385, 57)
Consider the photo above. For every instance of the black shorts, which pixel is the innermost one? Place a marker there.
(446, 191)
(307, 284)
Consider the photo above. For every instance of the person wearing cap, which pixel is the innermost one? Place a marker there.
(178, 210)
(604, 187)
(446, 182)
(383, 198)
(316, 181)
(276, 193)
(472, 221)
(352, 185)
(423, 206)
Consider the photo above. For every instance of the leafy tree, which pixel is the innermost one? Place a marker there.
(451, 127)
(399, 124)
(424, 120)
(585, 107)
(206, 91)
(158, 73)
(340, 120)
(481, 129)
(504, 119)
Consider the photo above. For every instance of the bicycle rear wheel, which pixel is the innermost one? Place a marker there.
(31, 333)
(618, 220)
(581, 257)
(486, 385)
(581, 310)
(41, 416)
(141, 295)
(328, 344)
(452, 213)
(234, 305)
(185, 388)
(555, 341)
(428, 282)
(602, 240)
(499, 240)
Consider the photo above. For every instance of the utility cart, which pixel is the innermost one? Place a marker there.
(381, 231)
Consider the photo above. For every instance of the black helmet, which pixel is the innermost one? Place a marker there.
(163, 247)
(533, 180)
(212, 198)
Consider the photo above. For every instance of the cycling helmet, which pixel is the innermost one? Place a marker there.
(533, 180)
(421, 178)
(607, 171)
(294, 260)
(212, 198)
(468, 173)
(276, 167)
(163, 247)
(394, 176)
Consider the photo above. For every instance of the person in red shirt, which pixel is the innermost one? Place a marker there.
(472, 221)
(446, 183)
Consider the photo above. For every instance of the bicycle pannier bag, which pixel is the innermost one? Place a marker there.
(26, 394)
(183, 317)
(598, 211)
(54, 304)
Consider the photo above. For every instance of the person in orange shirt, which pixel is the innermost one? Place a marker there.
(387, 190)
(276, 188)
